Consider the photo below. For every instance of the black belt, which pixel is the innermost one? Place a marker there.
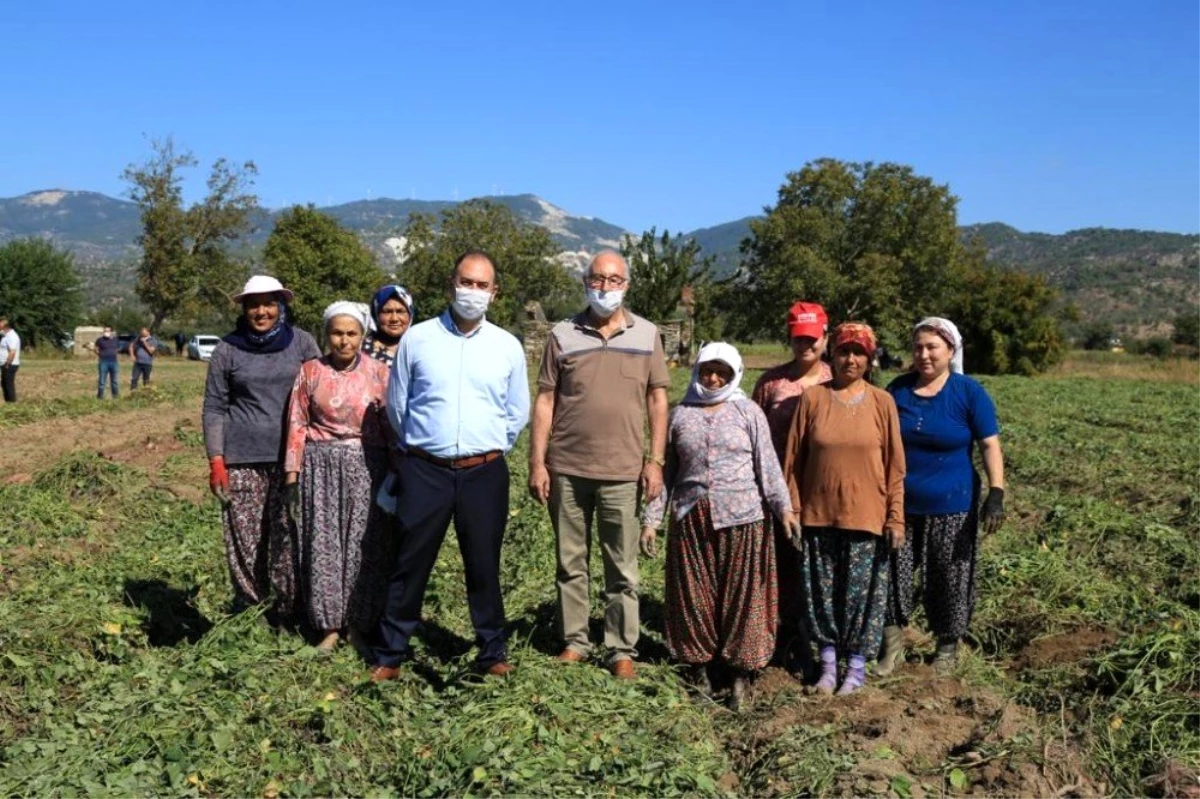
(456, 463)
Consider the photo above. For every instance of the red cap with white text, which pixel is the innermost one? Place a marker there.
(807, 319)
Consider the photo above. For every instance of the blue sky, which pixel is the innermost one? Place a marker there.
(1046, 115)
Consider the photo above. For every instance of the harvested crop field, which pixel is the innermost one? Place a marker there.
(125, 674)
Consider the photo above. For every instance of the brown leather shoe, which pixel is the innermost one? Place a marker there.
(624, 669)
(501, 668)
(571, 656)
(384, 673)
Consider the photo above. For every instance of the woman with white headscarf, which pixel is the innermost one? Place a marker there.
(943, 413)
(723, 478)
(334, 463)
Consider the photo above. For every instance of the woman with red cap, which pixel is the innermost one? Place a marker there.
(845, 471)
(778, 392)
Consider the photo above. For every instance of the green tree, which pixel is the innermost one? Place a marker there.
(1007, 320)
(871, 242)
(525, 258)
(659, 268)
(1187, 329)
(39, 290)
(186, 266)
(1098, 336)
(121, 318)
(320, 261)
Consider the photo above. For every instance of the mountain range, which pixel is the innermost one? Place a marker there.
(1137, 280)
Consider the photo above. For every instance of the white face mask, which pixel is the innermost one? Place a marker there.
(471, 304)
(605, 303)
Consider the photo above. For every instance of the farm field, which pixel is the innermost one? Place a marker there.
(123, 672)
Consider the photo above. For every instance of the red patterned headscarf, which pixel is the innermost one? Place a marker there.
(855, 333)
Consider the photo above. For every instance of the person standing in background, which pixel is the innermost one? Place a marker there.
(10, 359)
(393, 311)
(142, 349)
(180, 341)
(107, 349)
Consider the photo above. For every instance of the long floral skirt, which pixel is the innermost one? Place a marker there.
(944, 546)
(342, 534)
(846, 579)
(721, 600)
(260, 543)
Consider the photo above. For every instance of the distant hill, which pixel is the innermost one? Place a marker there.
(1138, 280)
(723, 242)
(101, 230)
(1134, 279)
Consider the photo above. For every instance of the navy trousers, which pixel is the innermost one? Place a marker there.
(430, 497)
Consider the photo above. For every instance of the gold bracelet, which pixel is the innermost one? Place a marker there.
(653, 459)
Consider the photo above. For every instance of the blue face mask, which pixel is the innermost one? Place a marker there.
(604, 303)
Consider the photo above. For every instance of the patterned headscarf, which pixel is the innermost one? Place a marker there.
(392, 292)
(947, 330)
(856, 333)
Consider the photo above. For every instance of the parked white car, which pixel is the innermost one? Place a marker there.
(200, 348)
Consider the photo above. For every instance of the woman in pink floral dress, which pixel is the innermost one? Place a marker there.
(724, 481)
(334, 463)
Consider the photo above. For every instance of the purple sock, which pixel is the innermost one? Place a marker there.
(828, 679)
(856, 675)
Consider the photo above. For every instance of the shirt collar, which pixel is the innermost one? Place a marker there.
(447, 320)
(583, 320)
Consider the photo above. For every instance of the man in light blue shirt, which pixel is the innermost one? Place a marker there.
(457, 400)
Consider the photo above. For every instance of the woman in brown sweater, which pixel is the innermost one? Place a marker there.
(845, 471)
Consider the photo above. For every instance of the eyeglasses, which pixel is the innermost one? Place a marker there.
(601, 281)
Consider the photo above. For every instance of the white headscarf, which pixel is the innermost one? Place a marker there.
(727, 354)
(358, 311)
(946, 329)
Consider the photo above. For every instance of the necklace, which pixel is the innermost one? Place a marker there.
(852, 403)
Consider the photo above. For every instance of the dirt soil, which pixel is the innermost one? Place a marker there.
(144, 437)
(1064, 648)
(919, 726)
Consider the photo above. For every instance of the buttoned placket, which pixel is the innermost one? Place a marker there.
(591, 331)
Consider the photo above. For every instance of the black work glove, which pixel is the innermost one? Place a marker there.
(291, 500)
(991, 515)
